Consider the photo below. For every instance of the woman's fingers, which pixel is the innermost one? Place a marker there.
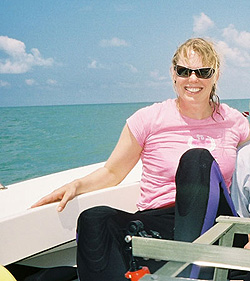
(54, 196)
(43, 201)
(68, 195)
(63, 194)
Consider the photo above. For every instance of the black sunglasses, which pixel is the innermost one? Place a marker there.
(204, 73)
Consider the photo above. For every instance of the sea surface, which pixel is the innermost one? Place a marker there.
(40, 140)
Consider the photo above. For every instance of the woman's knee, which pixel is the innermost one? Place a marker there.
(96, 212)
(196, 157)
(194, 170)
(94, 219)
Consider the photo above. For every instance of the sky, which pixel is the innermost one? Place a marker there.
(57, 52)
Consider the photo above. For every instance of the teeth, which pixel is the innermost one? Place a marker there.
(193, 90)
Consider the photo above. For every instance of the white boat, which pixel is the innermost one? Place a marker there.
(43, 237)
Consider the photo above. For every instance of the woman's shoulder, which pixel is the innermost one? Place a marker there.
(158, 107)
(227, 110)
(232, 115)
(152, 116)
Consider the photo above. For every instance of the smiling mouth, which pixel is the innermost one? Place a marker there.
(193, 90)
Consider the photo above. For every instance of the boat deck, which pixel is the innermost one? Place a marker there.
(201, 252)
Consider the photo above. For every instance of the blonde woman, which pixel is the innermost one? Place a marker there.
(188, 149)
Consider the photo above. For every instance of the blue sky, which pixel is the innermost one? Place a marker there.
(99, 51)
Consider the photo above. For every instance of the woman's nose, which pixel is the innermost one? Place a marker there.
(193, 76)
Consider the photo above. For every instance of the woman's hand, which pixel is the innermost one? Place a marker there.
(62, 194)
(247, 246)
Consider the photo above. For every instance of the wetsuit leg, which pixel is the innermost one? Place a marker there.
(101, 253)
(201, 196)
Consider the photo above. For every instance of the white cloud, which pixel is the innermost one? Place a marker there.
(132, 68)
(18, 60)
(156, 75)
(4, 84)
(30, 82)
(232, 44)
(240, 38)
(235, 55)
(94, 64)
(51, 82)
(202, 23)
(114, 42)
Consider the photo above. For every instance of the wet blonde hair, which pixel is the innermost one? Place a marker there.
(209, 56)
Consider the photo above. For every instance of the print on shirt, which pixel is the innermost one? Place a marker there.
(202, 142)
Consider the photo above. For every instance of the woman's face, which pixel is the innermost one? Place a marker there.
(193, 89)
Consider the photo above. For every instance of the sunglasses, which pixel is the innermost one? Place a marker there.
(204, 73)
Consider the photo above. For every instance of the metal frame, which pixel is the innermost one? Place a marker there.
(180, 254)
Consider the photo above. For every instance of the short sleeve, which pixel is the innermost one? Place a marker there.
(139, 126)
(239, 124)
(243, 126)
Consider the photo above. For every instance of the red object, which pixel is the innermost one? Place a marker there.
(138, 274)
(245, 113)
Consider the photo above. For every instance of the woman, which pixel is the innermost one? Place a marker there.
(193, 129)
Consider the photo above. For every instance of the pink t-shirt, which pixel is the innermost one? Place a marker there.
(165, 135)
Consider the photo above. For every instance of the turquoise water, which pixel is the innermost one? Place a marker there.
(36, 141)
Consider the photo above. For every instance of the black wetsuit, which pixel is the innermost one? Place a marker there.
(201, 197)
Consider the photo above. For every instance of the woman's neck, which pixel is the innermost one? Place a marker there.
(194, 110)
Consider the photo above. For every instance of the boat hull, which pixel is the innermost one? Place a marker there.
(27, 232)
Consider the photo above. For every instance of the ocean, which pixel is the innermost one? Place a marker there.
(41, 140)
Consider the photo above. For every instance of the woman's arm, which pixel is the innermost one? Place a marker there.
(123, 158)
